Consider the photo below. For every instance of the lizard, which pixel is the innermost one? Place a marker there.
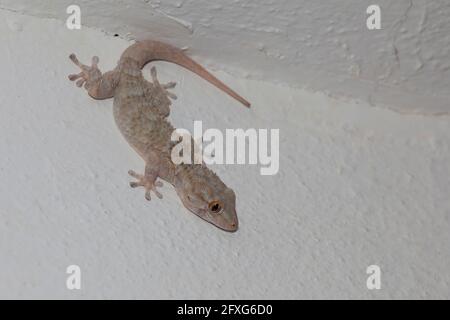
(141, 109)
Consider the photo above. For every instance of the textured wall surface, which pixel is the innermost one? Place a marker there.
(322, 45)
(357, 186)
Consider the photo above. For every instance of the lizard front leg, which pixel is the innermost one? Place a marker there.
(148, 179)
(98, 85)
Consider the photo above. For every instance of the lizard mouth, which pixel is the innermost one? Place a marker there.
(225, 226)
(233, 227)
(225, 221)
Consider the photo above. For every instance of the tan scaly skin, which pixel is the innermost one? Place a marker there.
(140, 111)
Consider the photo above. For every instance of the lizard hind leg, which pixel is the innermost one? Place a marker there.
(98, 85)
(88, 75)
(163, 87)
(158, 95)
(148, 181)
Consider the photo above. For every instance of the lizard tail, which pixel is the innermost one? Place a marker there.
(147, 51)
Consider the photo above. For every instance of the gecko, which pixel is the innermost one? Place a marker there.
(141, 109)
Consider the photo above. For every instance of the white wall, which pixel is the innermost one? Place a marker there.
(321, 45)
(357, 186)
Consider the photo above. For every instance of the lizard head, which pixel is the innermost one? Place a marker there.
(209, 198)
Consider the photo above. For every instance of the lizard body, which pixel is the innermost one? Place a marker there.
(141, 109)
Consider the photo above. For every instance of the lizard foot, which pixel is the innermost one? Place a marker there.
(148, 182)
(88, 75)
(163, 87)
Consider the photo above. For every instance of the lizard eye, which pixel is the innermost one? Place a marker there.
(215, 206)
